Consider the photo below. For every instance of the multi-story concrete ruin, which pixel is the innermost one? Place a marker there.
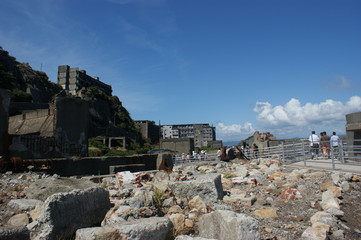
(73, 79)
(148, 129)
(353, 130)
(201, 133)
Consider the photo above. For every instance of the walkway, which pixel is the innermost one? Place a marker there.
(326, 164)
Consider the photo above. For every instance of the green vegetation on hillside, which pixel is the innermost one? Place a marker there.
(97, 148)
(20, 77)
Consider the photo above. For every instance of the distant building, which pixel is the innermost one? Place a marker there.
(73, 79)
(148, 129)
(201, 133)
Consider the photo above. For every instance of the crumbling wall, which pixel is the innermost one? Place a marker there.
(60, 131)
(100, 165)
(181, 145)
(71, 121)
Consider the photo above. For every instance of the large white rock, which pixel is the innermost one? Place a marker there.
(228, 225)
(312, 233)
(329, 201)
(323, 217)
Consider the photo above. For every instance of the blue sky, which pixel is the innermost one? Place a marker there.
(283, 66)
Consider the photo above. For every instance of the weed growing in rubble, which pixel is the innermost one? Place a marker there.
(159, 197)
(228, 175)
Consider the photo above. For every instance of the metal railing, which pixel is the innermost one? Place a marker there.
(348, 152)
(178, 160)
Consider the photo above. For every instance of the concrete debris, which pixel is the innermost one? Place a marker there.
(234, 199)
(24, 204)
(63, 213)
(228, 225)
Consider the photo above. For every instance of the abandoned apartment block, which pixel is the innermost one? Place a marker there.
(203, 134)
(73, 79)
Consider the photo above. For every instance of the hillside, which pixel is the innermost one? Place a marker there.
(108, 116)
(26, 84)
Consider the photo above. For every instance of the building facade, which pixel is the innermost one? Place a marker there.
(201, 133)
(73, 79)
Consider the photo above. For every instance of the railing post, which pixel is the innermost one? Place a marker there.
(283, 152)
(304, 153)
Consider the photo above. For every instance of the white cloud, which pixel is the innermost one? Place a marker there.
(293, 119)
(294, 114)
(234, 131)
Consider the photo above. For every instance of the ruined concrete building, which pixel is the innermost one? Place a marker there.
(353, 130)
(148, 129)
(73, 79)
(201, 133)
(59, 131)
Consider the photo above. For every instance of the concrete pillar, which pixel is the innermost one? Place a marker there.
(4, 121)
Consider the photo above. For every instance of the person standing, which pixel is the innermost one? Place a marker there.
(314, 144)
(326, 145)
(334, 143)
(323, 153)
(255, 150)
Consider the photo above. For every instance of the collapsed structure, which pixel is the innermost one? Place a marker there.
(59, 131)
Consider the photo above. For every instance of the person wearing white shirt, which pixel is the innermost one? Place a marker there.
(314, 143)
(334, 143)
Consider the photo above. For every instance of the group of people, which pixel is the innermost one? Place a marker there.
(324, 143)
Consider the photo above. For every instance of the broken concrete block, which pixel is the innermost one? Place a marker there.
(97, 233)
(228, 225)
(63, 213)
(17, 233)
(153, 228)
(24, 204)
(207, 186)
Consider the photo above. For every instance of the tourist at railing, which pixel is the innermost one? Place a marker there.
(314, 143)
(325, 143)
(334, 141)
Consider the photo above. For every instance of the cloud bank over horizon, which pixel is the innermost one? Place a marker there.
(293, 118)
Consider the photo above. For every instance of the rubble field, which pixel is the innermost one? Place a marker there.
(259, 199)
